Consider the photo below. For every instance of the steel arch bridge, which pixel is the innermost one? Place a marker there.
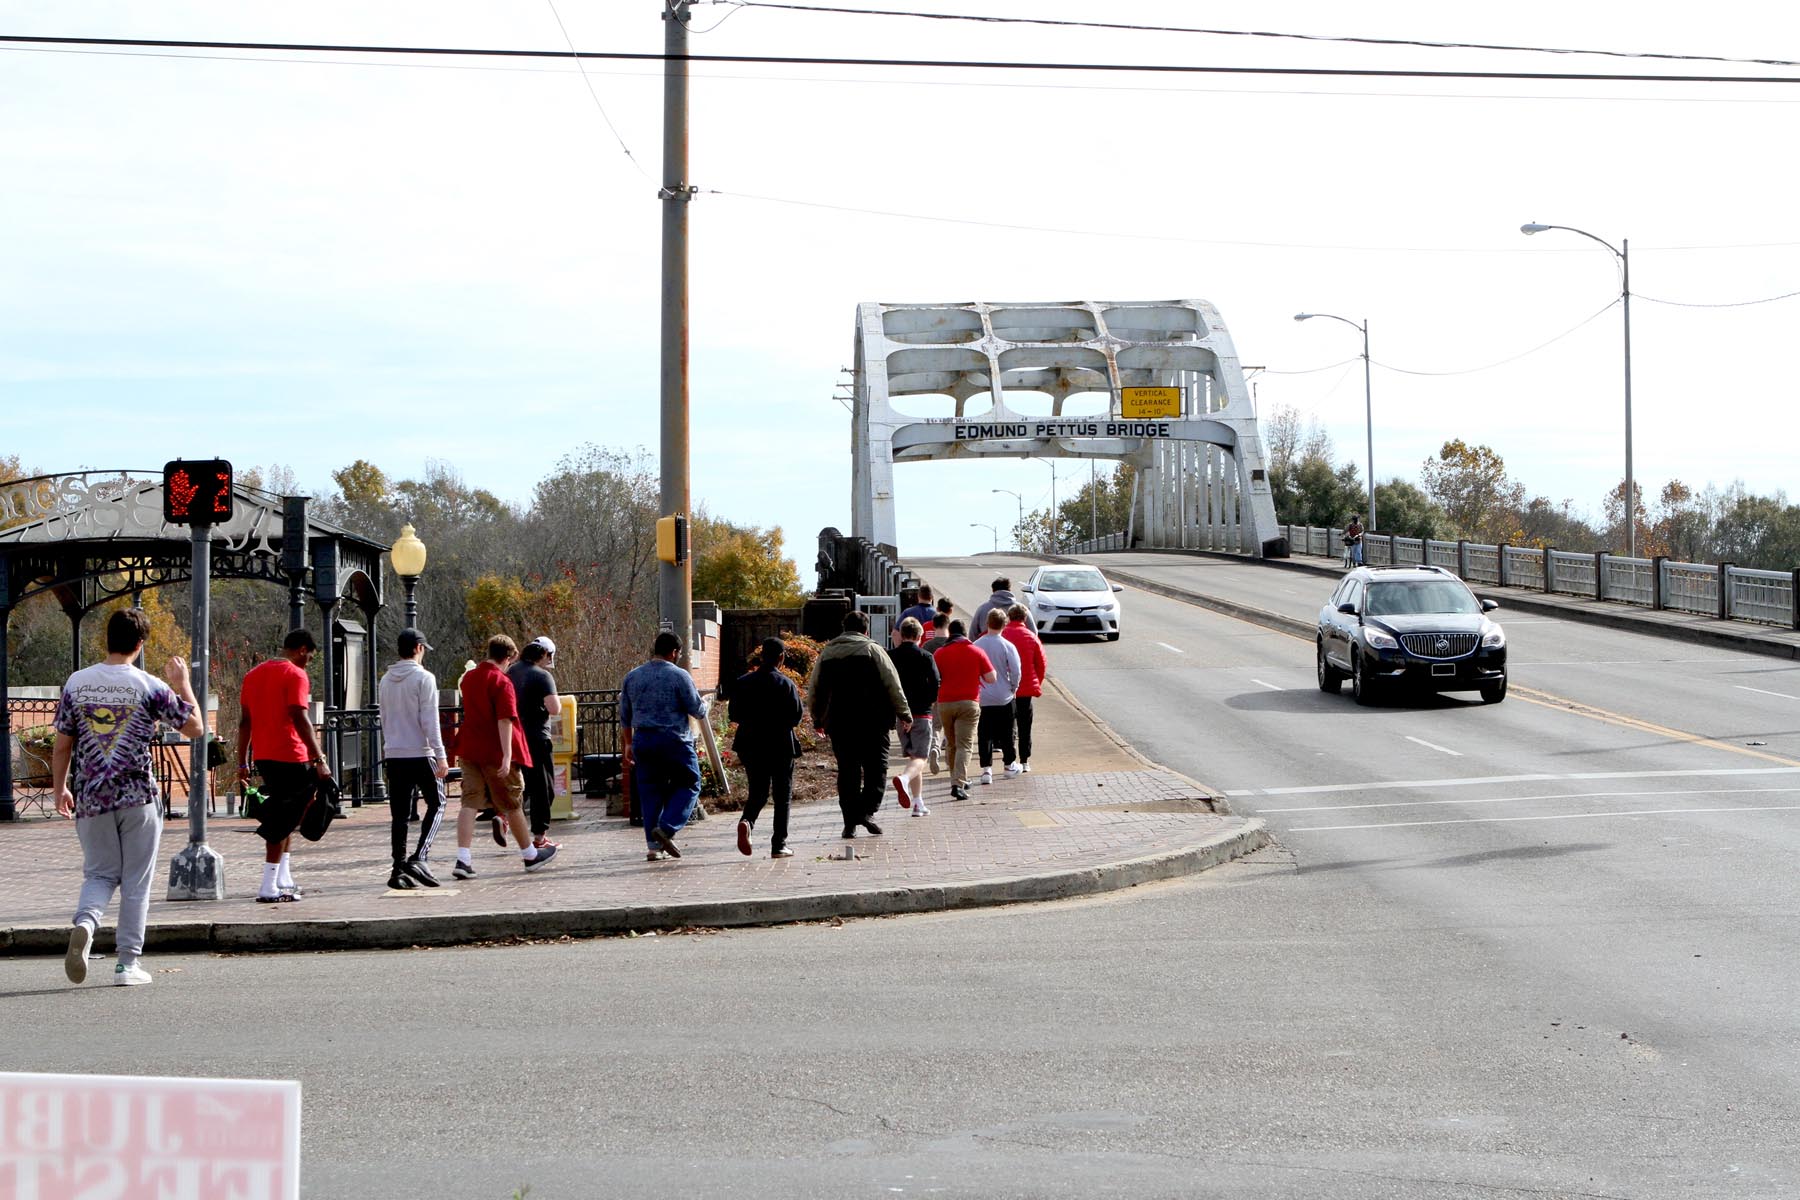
(1052, 380)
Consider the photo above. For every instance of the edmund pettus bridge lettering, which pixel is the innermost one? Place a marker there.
(975, 431)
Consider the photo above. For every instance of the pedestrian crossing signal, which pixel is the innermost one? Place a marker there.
(197, 492)
(672, 540)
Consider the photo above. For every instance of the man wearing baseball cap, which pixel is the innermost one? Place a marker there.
(413, 757)
(538, 702)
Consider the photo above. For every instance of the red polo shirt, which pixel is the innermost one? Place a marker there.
(487, 697)
(960, 664)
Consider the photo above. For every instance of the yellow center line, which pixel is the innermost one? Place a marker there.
(1549, 700)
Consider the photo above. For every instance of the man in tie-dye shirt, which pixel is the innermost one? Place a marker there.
(105, 726)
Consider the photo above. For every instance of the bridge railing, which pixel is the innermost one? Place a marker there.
(860, 565)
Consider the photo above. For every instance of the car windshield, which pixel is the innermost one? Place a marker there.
(1071, 581)
(1420, 596)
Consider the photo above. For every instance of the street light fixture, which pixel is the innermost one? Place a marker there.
(1622, 252)
(1019, 530)
(407, 555)
(990, 529)
(1368, 404)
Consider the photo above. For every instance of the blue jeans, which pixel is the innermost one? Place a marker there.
(666, 777)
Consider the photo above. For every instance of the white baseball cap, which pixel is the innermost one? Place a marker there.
(548, 645)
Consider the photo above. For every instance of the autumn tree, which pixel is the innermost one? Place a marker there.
(1405, 510)
(1471, 485)
(738, 566)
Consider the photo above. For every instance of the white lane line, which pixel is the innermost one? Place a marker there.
(1435, 746)
(1765, 692)
(1525, 798)
(1172, 649)
(1273, 687)
(1637, 812)
(1478, 780)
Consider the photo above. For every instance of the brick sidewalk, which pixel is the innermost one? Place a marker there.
(1039, 827)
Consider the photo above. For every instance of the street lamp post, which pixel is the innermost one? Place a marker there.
(1368, 403)
(407, 555)
(990, 529)
(1055, 516)
(1623, 253)
(1019, 530)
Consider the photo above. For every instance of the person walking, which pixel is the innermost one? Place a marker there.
(1353, 541)
(765, 704)
(276, 738)
(996, 721)
(855, 697)
(535, 688)
(656, 702)
(1032, 669)
(413, 758)
(940, 637)
(491, 745)
(923, 611)
(1002, 599)
(100, 767)
(962, 670)
(919, 680)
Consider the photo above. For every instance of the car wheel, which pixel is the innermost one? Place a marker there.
(1330, 678)
(1493, 693)
(1360, 686)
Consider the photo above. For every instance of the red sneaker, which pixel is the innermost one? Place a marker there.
(743, 837)
(900, 790)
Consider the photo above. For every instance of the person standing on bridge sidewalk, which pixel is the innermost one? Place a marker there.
(996, 721)
(1032, 669)
(962, 670)
(658, 703)
(919, 680)
(1002, 599)
(105, 724)
(413, 757)
(765, 706)
(939, 629)
(856, 697)
(922, 612)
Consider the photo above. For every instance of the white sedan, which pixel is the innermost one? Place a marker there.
(1073, 599)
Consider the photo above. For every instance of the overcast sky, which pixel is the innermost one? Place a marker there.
(321, 258)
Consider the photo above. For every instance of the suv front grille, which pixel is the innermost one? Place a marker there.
(1438, 645)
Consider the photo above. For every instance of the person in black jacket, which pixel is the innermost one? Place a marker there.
(766, 706)
(919, 680)
(854, 695)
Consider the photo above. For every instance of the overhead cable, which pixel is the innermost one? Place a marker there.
(1610, 304)
(1726, 304)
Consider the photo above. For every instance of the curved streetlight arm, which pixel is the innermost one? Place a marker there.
(1361, 327)
(1533, 227)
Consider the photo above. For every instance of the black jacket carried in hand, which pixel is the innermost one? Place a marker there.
(766, 707)
(918, 676)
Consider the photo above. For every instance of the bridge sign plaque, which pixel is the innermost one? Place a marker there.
(1149, 403)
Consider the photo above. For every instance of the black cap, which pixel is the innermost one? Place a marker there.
(410, 641)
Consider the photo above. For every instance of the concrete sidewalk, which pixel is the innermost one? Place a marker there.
(1090, 817)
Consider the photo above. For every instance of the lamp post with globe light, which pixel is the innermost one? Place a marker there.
(407, 555)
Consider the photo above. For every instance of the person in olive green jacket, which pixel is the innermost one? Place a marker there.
(855, 698)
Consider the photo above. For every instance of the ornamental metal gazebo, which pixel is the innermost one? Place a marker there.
(92, 537)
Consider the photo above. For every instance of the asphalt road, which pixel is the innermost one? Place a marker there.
(1507, 950)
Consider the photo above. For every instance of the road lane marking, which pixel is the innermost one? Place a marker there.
(1637, 812)
(1273, 687)
(1172, 649)
(1478, 780)
(1765, 692)
(1522, 799)
(1435, 746)
(1546, 700)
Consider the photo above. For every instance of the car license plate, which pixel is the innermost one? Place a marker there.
(1438, 669)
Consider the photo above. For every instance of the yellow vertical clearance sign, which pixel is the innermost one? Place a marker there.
(1149, 403)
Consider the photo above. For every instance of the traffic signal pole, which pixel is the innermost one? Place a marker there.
(197, 872)
(675, 580)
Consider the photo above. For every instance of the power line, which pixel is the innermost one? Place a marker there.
(923, 63)
(1610, 304)
(1255, 33)
(1726, 304)
(592, 94)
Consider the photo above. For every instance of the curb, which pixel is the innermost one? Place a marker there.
(1214, 796)
(387, 933)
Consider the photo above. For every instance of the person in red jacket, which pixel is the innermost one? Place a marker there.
(1032, 669)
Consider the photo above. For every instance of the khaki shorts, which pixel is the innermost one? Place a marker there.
(482, 787)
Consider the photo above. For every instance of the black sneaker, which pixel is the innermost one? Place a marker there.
(463, 870)
(544, 855)
(400, 881)
(873, 828)
(419, 872)
(849, 831)
(499, 832)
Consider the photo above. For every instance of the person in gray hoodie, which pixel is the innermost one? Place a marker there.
(413, 757)
(996, 727)
(1002, 599)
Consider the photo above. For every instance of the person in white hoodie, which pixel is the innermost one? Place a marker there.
(413, 757)
(996, 725)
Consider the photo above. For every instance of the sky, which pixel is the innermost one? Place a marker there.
(308, 259)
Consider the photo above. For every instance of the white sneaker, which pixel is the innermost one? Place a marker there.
(1025, 766)
(130, 976)
(1014, 769)
(81, 940)
(919, 810)
(987, 775)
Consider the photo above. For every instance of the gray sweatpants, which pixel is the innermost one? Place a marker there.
(118, 850)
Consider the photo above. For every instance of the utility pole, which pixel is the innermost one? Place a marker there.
(675, 580)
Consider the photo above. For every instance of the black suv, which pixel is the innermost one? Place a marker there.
(1386, 626)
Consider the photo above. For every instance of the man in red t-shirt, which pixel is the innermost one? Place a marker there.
(276, 736)
(490, 744)
(962, 668)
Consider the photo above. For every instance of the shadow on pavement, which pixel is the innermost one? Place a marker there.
(1516, 854)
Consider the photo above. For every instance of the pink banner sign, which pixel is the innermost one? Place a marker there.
(120, 1137)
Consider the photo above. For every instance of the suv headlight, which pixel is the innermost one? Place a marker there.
(1380, 640)
(1494, 638)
